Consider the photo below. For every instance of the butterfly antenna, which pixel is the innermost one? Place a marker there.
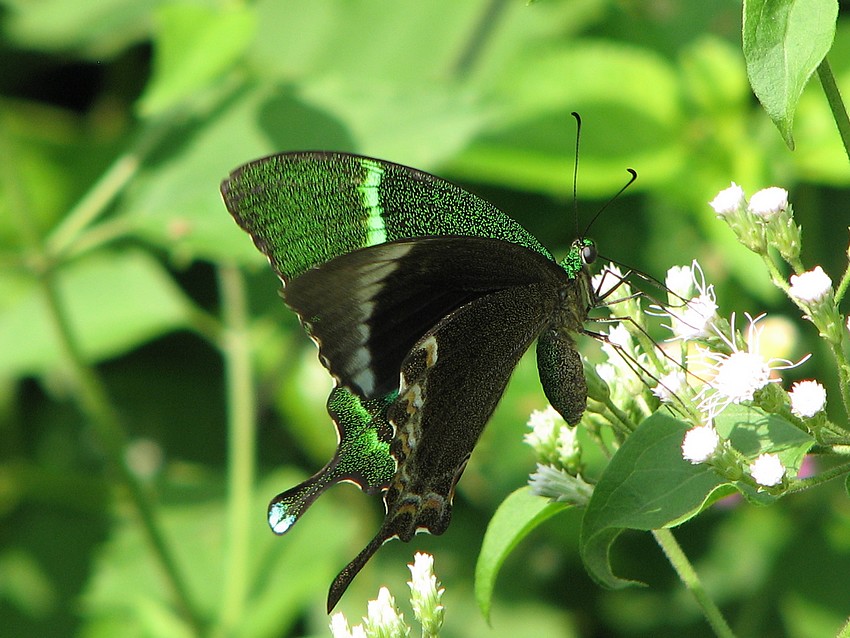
(631, 181)
(575, 169)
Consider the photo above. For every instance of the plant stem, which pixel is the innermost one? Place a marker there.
(91, 396)
(241, 435)
(95, 202)
(95, 404)
(844, 632)
(688, 576)
(813, 481)
(841, 288)
(483, 30)
(836, 104)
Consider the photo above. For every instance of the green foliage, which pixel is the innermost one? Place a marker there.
(647, 485)
(517, 516)
(784, 42)
(133, 476)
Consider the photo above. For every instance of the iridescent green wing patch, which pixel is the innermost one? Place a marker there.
(362, 457)
(303, 209)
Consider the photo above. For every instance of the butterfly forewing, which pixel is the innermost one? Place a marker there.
(367, 308)
(303, 209)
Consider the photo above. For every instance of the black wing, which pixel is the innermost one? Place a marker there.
(453, 379)
(366, 309)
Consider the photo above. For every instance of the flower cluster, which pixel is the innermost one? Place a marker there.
(384, 620)
(558, 451)
(735, 369)
(705, 365)
(732, 369)
(766, 220)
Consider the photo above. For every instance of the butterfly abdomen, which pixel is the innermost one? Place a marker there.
(562, 374)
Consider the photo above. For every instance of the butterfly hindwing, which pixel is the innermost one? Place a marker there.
(362, 457)
(452, 380)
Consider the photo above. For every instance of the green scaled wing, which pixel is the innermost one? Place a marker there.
(303, 209)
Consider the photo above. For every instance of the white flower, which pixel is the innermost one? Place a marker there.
(669, 386)
(769, 201)
(680, 281)
(607, 372)
(728, 201)
(619, 348)
(740, 374)
(383, 618)
(567, 445)
(339, 628)
(606, 281)
(543, 424)
(624, 361)
(618, 340)
(811, 286)
(552, 439)
(558, 485)
(767, 470)
(699, 443)
(426, 594)
(807, 398)
(694, 318)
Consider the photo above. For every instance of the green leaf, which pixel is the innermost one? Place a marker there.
(127, 585)
(194, 44)
(113, 302)
(784, 42)
(176, 203)
(751, 431)
(647, 485)
(519, 514)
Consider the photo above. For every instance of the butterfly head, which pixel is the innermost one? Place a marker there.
(582, 253)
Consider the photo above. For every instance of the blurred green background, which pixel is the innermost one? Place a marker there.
(119, 118)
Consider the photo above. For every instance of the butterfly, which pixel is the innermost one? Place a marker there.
(421, 297)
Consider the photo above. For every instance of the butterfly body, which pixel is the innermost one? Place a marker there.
(421, 298)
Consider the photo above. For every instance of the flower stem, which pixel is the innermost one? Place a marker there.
(241, 430)
(841, 288)
(688, 576)
(799, 485)
(833, 338)
(836, 104)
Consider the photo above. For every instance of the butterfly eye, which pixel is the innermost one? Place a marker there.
(588, 254)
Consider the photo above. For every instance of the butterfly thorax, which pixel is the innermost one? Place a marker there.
(576, 294)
